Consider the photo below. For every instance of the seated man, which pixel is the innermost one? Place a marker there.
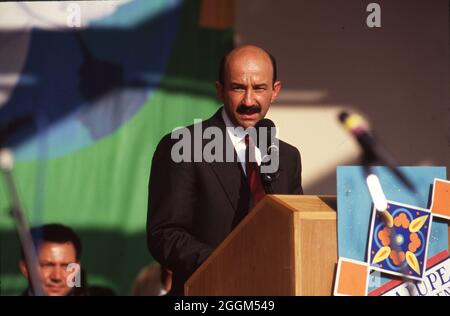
(57, 246)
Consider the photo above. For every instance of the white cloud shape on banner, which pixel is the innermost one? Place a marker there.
(53, 15)
(20, 17)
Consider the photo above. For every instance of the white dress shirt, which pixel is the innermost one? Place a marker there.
(237, 136)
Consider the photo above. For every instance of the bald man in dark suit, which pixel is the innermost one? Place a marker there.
(192, 205)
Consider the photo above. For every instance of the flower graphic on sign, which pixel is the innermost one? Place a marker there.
(399, 240)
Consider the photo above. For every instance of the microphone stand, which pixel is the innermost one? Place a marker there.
(21, 223)
(268, 178)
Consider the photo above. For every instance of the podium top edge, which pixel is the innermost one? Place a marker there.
(307, 203)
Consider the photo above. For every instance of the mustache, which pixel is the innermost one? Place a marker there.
(242, 109)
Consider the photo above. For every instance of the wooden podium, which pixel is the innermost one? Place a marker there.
(287, 245)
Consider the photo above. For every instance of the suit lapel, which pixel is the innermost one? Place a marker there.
(229, 174)
(277, 186)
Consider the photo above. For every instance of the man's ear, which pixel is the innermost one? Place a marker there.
(219, 91)
(276, 90)
(23, 268)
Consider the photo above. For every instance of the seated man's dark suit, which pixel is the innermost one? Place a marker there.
(193, 206)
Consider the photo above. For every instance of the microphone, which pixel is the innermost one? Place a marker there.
(268, 144)
(264, 133)
(372, 150)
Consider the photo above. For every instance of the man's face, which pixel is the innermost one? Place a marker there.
(53, 261)
(247, 90)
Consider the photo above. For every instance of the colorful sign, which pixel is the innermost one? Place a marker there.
(380, 250)
(399, 240)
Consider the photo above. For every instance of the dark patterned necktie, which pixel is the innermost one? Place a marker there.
(253, 175)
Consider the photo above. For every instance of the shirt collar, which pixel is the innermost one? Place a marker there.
(236, 134)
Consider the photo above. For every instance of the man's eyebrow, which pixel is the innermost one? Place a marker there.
(46, 262)
(260, 85)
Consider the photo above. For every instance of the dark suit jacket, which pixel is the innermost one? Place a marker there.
(193, 206)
